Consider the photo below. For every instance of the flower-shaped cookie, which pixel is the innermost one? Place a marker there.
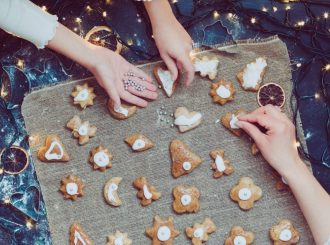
(245, 193)
(83, 95)
(110, 191)
(206, 66)
(100, 158)
(123, 112)
(284, 233)
(81, 130)
(164, 79)
(186, 199)
(222, 92)
(162, 232)
(184, 161)
(146, 192)
(199, 233)
(72, 187)
(53, 150)
(79, 236)
(186, 120)
(238, 236)
(220, 166)
(119, 239)
(229, 121)
(139, 142)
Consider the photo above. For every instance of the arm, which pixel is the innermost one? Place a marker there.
(278, 146)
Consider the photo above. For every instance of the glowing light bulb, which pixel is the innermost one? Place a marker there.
(44, 8)
(326, 15)
(88, 8)
(129, 42)
(174, 1)
(216, 14)
(75, 29)
(6, 200)
(253, 20)
(301, 23)
(275, 9)
(20, 64)
(264, 9)
(104, 14)
(298, 65)
(230, 15)
(29, 224)
(297, 144)
(327, 67)
(78, 20)
(317, 95)
(287, 7)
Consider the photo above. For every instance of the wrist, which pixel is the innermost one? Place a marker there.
(294, 171)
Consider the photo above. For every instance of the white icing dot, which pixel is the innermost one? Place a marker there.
(119, 241)
(244, 194)
(71, 188)
(138, 144)
(186, 121)
(223, 92)
(121, 110)
(83, 130)
(186, 166)
(101, 159)
(185, 200)
(285, 235)
(233, 122)
(166, 79)
(82, 95)
(163, 233)
(199, 233)
(147, 194)
(239, 240)
(220, 163)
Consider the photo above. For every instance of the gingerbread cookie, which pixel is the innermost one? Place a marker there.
(100, 158)
(254, 149)
(119, 239)
(184, 161)
(238, 236)
(53, 150)
(252, 75)
(146, 192)
(162, 232)
(245, 193)
(220, 166)
(81, 130)
(110, 191)
(186, 120)
(186, 199)
(222, 92)
(83, 95)
(229, 121)
(78, 236)
(72, 187)
(284, 233)
(164, 78)
(199, 233)
(206, 66)
(139, 142)
(122, 112)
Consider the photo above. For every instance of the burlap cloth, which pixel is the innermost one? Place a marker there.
(47, 111)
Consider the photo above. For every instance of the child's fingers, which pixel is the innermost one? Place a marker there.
(148, 85)
(258, 137)
(189, 68)
(130, 98)
(145, 94)
(171, 66)
(114, 95)
(140, 73)
(261, 119)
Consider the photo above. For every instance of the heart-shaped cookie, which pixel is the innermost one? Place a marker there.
(186, 120)
(164, 78)
(53, 150)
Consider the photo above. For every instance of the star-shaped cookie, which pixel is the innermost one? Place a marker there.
(81, 130)
(100, 158)
(83, 95)
(119, 239)
(222, 92)
(72, 187)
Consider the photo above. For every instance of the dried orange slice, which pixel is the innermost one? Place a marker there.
(14, 159)
(271, 93)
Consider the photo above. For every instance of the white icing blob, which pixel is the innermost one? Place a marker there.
(163, 233)
(112, 188)
(83, 130)
(166, 79)
(186, 166)
(285, 235)
(186, 121)
(82, 95)
(147, 194)
(252, 73)
(78, 238)
(138, 144)
(223, 92)
(206, 66)
(199, 233)
(233, 122)
(54, 156)
(185, 200)
(220, 163)
(101, 159)
(244, 194)
(71, 188)
(119, 241)
(121, 110)
(239, 240)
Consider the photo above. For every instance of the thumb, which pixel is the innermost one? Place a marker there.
(171, 66)
(258, 137)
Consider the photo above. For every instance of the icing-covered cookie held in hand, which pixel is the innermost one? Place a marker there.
(79, 236)
(230, 119)
(186, 120)
(72, 187)
(162, 232)
(220, 166)
(245, 193)
(206, 66)
(222, 92)
(139, 142)
(123, 112)
(53, 150)
(81, 129)
(119, 239)
(184, 161)
(284, 233)
(252, 75)
(199, 233)
(110, 191)
(83, 95)
(164, 79)
(146, 192)
(100, 158)
(238, 236)
(186, 199)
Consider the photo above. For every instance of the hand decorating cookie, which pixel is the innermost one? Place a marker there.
(206, 66)
(238, 236)
(100, 158)
(164, 79)
(229, 121)
(222, 92)
(186, 120)
(139, 142)
(125, 111)
(78, 236)
(81, 129)
(186, 199)
(284, 233)
(220, 166)
(199, 233)
(110, 191)
(72, 187)
(83, 95)
(146, 192)
(53, 150)
(119, 239)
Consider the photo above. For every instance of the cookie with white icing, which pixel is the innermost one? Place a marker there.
(199, 233)
(100, 158)
(139, 142)
(72, 187)
(53, 150)
(78, 236)
(252, 75)
(222, 92)
(110, 191)
(184, 161)
(239, 236)
(187, 120)
(81, 130)
(206, 66)
(125, 110)
(164, 79)
(119, 238)
(220, 166)
(146, 192)
(230, 119)
(186, 199)
(83, 95)
(284, 233)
